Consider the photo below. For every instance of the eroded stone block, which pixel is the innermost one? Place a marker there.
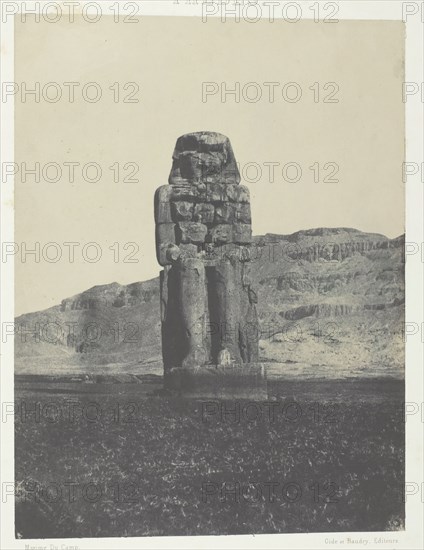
(182, 211)
(221, 234)
(242, 233)
(242, 213)
(188, 191)
(225, 213)
(232, 212)
(188, 250)
(204, 213)
(238, 193)
(191, 232)
(215, 192)
(227, 192)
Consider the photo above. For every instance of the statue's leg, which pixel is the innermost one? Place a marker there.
(173, 348)
(227, 291)
(192, 301)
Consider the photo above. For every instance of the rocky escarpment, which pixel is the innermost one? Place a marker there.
(318, 310)
(334, 310)
(309, 245)
(113, 295)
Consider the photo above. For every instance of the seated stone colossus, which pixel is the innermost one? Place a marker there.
(203, 238)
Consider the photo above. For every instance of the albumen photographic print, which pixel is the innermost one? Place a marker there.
(210, 245)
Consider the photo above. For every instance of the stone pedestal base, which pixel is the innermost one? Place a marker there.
(247, 381)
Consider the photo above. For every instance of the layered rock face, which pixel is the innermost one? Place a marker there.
(203, 239)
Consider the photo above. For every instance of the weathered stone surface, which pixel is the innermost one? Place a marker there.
(215, 192)
(232, 212)
(182, 211)
(208, 304)
(165, 236)
(173, 343)
(188, 250)
(225, 213)
(242, 213)
(186, 191)
(204, 213)
(163, 204)
(238, 193)
(232, 249)
(221, 234)
(220, 192)
(191, 232)
(242, 233)
(205, 157)
(192, 292)
(172, 253)
(227, 296)
(249, 336)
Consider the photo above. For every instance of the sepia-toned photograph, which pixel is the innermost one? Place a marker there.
(209, 330)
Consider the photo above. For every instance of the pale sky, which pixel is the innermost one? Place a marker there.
(169, 59)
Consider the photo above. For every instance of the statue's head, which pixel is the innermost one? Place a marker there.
(203, 157)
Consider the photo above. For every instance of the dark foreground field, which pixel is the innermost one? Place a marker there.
(102, 460)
